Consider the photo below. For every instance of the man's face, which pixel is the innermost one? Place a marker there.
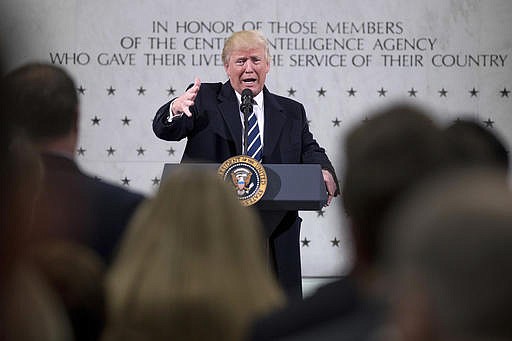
(247, 69)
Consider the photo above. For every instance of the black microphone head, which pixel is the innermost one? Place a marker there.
(246, 105)
(247, 93)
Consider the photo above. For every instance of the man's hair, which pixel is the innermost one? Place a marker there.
(385, 156)
(242, 40)
(42, 99)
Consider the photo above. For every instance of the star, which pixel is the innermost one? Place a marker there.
(291, 92)
(141, 91)
(111, 91)
(171, 91)
(473, 92)
(126, 181)
(351, 92)
(140, 151)
(95, 120)
(442, 92)
(156, 181)
(382, 92)
(126, 121)
(321, 92)
(488, 123)
(320, 213)
(81, 151)
(81, 90)
(336, 122)
(110, 151)
(335, 242)
(504, 92)
(305, 242)
(412, 92)
(170, 151)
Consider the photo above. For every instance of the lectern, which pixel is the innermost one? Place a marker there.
(290, 187)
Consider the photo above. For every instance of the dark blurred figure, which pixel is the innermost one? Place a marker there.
(385, 157)
(76, 274)
(184, 275)
(450, 260)
(472, 144)
(42, 99)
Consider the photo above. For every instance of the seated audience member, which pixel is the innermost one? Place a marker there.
(76, 274)
(472, 144)
(43, 100)
(29, 309)
(385, 156)
(192, 266)
(449, 259)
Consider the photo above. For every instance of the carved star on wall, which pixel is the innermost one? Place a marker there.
(488, 123)
(321, 92)
(156, 181)
(335, 242)
(504, 92)
(171, 91)
(412, 92)
(351, 92)
(473, 92)
(81, 90)
(140, 151)
(141, 91)
(291, 92)
(305, 242)
(110, 151)
(126, 121)
(170, 151)
(320, 213)
(126, 181)
(81, 151)
(95, 120)
(443, 92)
(336, 122)
(382, 92)
(111, 91)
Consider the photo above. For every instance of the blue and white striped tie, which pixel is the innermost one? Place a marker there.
(253, 138)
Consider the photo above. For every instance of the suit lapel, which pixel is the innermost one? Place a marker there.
(228, 105)
(274, 123)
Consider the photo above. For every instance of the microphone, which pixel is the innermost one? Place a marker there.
(246, 105)
(246, 108)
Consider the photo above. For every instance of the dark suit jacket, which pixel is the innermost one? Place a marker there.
(77, 207)
(214, 134)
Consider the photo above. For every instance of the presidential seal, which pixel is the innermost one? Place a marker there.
(247, 176)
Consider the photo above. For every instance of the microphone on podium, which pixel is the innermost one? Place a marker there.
(246, 109)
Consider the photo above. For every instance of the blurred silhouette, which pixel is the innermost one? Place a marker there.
(449, 259)
(385, 156)
(76, 275)
(42, 99)
(187, 273)
(472, 144)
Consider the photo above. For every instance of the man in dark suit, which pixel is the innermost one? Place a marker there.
(71, 205)
(208, 115)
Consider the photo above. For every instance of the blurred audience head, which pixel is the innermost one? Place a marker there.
(43, 100)
(76, 274)
(472, 144)
(450, 259)
(191, 266)
(386, 156)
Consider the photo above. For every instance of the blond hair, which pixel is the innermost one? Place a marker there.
(243, 40)
(192, 264)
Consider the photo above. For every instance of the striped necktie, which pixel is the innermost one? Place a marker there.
(254, 148)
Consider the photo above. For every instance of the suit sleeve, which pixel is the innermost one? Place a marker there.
(176, 130)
